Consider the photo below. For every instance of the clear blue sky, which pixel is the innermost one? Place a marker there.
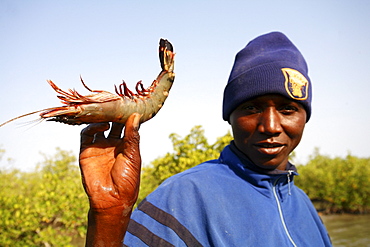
(108, 41)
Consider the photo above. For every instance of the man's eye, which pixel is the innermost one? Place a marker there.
(288, 109)
(250, 108)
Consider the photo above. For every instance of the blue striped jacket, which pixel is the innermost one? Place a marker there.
(225, 203)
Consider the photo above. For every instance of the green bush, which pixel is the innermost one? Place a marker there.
(46, 207)
(340, 184)
(192, 150)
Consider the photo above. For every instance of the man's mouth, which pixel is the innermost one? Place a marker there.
(269, 148)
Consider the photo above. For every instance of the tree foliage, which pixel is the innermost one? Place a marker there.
(340, 184)
(46, 207)
(189, 151)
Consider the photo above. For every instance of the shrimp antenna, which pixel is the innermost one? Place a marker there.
(24, 115)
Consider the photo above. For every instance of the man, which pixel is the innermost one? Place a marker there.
(245, 198)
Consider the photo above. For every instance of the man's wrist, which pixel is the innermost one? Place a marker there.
(107, 226)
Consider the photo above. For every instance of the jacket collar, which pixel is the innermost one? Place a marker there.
(263, 180)
(290, 168)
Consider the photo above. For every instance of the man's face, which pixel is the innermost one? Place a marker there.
(267, 129)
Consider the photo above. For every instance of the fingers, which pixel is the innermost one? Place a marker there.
(92, 131)
(89, 133)
(116, 130)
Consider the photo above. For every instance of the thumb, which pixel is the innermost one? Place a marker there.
(132, 138)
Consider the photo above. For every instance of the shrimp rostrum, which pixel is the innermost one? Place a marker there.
(102, 106)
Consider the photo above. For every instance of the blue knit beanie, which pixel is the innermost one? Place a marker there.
(269, 64)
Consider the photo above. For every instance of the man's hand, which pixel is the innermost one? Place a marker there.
(110, 168)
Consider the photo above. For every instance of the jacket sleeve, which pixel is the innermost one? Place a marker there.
(164, 217)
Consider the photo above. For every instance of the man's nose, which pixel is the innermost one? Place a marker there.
(270, 122)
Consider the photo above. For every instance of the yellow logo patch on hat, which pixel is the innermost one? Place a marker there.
(296, 84)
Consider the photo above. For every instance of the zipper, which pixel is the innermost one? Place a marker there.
(279, 208)
(289, 174)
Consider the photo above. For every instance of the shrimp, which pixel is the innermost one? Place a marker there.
(102, 106)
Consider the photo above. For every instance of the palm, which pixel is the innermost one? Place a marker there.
(110, 166)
